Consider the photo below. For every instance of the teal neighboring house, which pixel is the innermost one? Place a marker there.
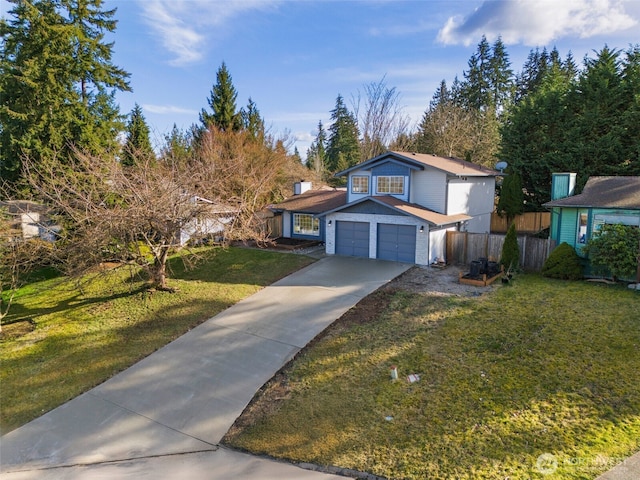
(574, 218)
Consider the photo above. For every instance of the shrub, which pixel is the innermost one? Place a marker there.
(510, 252)
(614, 250)
(563, 263)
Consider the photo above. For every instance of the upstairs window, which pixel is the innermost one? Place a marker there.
(393, 185)
(359, 184)
(305, 224)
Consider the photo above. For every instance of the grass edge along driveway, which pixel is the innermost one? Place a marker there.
(534, 380)
(80, 338)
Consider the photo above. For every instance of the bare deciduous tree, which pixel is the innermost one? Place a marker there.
(125, 214)
(451, 130)
(18, 257)
(381, 120)
(135, 214)
(247, 174)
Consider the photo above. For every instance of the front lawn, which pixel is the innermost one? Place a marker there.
(74, 340)
(540, 377)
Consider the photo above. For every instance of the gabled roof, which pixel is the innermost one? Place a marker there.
(412, 209)
(450, 165)
(312, 201)
(604, 192)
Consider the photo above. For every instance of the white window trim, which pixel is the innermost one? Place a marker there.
(390, 178)
(315, 225)
(353, 189)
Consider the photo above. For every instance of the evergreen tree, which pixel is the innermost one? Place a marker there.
(57, 82)
(500, 77)
(476, 89)
(317, 152)
(343, 147)
(138, 145)
(296, 155)
(630, 118)
(488, 83)
(222, 101)
(451, 128)
(178, 146)
(535, 137)
(94, 70)
(441, 96)
(510, 257)
(597, 103)
(532, 73)
(511, 201)
(252, 120)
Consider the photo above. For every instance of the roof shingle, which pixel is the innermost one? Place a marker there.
(313, 201)
(605, 192)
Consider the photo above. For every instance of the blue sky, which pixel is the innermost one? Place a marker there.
(294, 57)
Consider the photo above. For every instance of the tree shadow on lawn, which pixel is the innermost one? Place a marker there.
(57, 368)
(235, 265)
(20, 312)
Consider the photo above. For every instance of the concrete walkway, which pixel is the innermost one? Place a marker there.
(627, 469)
(164, 417)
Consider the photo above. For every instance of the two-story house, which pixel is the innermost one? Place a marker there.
(398, 206)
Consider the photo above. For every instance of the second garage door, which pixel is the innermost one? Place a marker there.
(352, 239)
(397, 242)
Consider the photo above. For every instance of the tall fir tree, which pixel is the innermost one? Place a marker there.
(296, 155)
(57, 82)
(222, 102)
(252, 121)
(343, 149)
(178, 145)
(441, 96)
(476, 88)
(597, 103)
(500, 77)
(511, 201)
(317, 152)
(137, 146)
(630, 118)
(533, 140)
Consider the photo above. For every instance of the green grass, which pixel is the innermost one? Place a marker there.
(81, 338)
(541, 366)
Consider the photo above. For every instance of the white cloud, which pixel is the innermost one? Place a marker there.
(304, 137)
(537, 22)
(168, 109)
(184, 26)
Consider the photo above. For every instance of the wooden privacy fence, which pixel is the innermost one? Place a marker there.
(463, 247)
(273, 226)
(530, 222)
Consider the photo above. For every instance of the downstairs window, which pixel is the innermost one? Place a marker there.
(306, 224)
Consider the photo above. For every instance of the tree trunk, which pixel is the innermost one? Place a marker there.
(159, 271)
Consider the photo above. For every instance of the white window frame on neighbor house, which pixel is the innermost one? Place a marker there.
(306, 224)
(360, 184)
(390, 185)
(583, 220)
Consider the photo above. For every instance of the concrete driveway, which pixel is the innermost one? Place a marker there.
(164, 417)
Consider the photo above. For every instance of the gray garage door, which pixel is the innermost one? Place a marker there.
(397, 242)
(352, 239)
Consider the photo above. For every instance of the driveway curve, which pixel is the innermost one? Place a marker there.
(165, 416)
